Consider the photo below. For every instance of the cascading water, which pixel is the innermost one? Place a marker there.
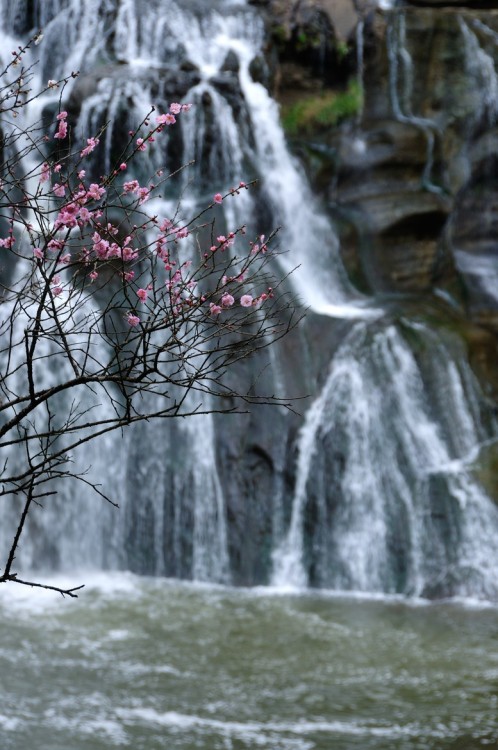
(383, 498)
(397, 505)
(55, 537)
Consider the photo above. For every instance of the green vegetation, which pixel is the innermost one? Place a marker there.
(342, 50)
(306, 40)
(319, 112)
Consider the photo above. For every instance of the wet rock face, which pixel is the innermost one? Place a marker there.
(341, 14)
(411, 181)
(311, 37)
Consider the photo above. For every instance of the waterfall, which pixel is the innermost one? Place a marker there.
(383, 495)
(68, 531)
(399, 509)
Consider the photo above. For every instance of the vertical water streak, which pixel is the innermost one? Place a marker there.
(401, 79)
(402, 511)
(481, 66)
(210, 546)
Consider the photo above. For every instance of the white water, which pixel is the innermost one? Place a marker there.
(373, 453)
(76, 506)
(398, 463)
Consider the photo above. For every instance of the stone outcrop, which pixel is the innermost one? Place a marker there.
(411, 179)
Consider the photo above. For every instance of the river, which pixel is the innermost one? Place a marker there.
(145, 664)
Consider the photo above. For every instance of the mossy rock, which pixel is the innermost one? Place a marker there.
(319, 112)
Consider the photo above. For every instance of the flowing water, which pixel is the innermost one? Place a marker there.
(146, 664)
(384, 495)
(378, 462)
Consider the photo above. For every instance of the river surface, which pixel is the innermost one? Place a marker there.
(151, 663)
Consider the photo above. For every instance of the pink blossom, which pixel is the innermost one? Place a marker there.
(114, 251)
(167, 119)
(45, 172)
(8, 242)
(227, 300)
(55, 245)
(93, 275)
(38, 253)
(129, 254)
(71, 208)
(61, 116)
(141, 145)
(175, 108)
(57, 168)
(186, 107)
(142, 294)
(66, 219)
(132, 320)
(131, 186)
(62, 130)
(181, 233)
(143, 194)
(81, 174)
(123, 166)
(165, 225)
(218, 198)
(92, 144)
(84, 215)
(246, 300)
(59, 190)
(214, 309)
(129, 275)
(56, 280)
(100, 246)
(95, 192)
(56, 290)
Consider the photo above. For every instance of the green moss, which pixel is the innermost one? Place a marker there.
(342, 50)
(323, 111)
(305, 41)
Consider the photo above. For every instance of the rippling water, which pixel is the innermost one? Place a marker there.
(148, 663)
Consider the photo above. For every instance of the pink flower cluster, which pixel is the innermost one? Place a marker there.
(45, 172)
(91, 145)
(79, 210)
(223, 242)
(75, 212)
(105, 249)
(133, 186)
(169, 118)
(259, 247)
(246, 300)
(62, 129)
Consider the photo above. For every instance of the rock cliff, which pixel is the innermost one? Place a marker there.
(410, 177)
